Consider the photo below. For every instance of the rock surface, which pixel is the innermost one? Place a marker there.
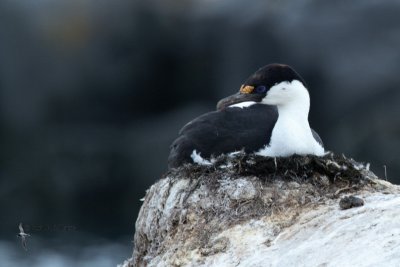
(254, 211)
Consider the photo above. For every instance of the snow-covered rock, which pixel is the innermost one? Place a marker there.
(255, 211)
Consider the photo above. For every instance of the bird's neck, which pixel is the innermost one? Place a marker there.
(296, 111)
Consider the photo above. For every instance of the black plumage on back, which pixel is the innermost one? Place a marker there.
(228, 130)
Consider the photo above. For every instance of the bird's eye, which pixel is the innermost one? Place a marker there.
(261, 89)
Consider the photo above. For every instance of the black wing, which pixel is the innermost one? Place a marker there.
(224, 131)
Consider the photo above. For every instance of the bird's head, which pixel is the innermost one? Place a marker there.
(274, 84)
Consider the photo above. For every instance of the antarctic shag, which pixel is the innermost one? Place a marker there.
(268, 117)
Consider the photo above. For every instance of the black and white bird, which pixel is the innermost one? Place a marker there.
(23, 236)
(268, 117)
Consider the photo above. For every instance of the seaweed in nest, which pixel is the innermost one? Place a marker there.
(336, 168)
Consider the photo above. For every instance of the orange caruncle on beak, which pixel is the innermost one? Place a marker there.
(246, 89)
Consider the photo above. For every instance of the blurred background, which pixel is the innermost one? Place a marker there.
(93, 92)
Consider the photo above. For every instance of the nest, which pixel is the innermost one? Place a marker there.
(185, 210)
(337, 171)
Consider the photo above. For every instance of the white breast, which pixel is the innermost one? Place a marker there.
(291, 137)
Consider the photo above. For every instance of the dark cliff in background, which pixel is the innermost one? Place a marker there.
(93, 92)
